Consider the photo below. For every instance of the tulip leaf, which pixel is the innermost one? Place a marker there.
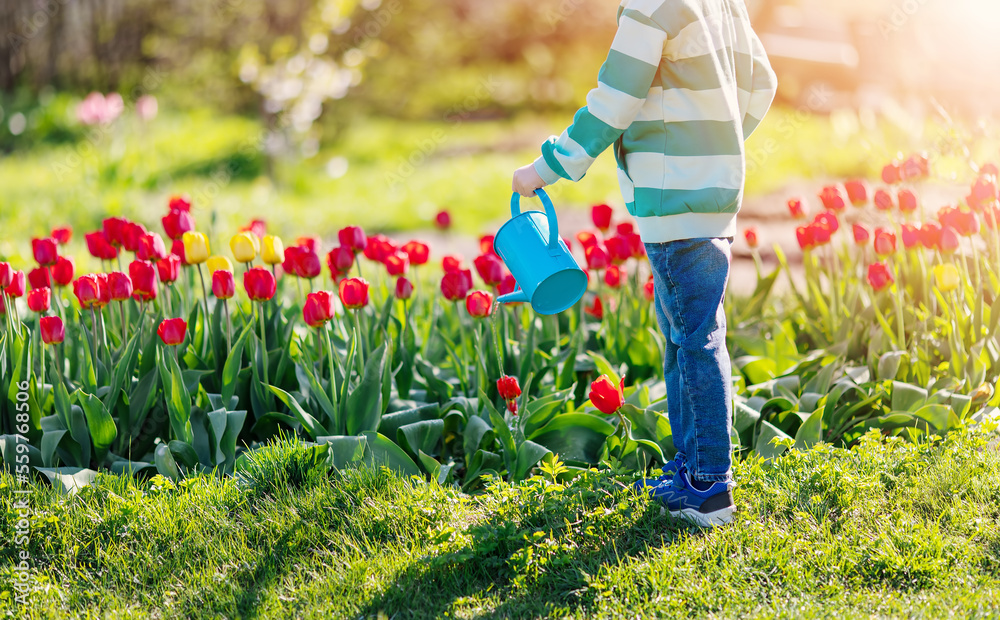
(907, 397)
(68, 480)
(477, 434)
(165, 464)
(123, 370)
(423, 436)
(309, 423)
(574, 436)
(391, 422)
(528, 455)
(184, 453)
(178, 398)
(604, 366)
(767, 445)
(382, 452)
(99, 422)
(810, 432)
(364, 405)
(231, 370)
(51, 441)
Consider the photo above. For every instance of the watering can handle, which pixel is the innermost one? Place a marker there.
(550, 212)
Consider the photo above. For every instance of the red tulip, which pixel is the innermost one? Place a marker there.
(595, 310)
(151, 248)
(132, 234)
(885, 242)
(172, 331)
(613, 276)
(507, 285)
(827, 220)
(339, 260)
(452, 263)
(907, 201)
(857, 192)
(404, 288)
(508, 388)
(223, 284)
(99, 246)
(601, 216)
(606, 396)
(479, 304)
(588, 239)
(456, 284)
(62, 271)
(983, 192)
(6, 272)
(486, 244)
(169, 269)
(87, 290)
(119, 286)
(45, 251)
(916, 167)
(879, 276)
(378, 248)
(883, 200)
(750, 234)
(352, 238)
(989, 169)
(512, 407)
(443, 220)
(910, 235)
(832, 200)
(114, 230)
(180, 202)
(177, 249)
(949, 240)
(930, 235)
(16, 287)
(625, 229)
(259, 284)
(397, 263)
(318, 308)
(354, 293)
(969, 224)
(597, 257)
(39, 300)
(892, 174)
(257, 227)
(39, 278)
(308, 264)
(309, 243)
(618, 249)
(649, 289)
(490, 269)
(861, 235)
(806, 237)
(143, 276)
(53, 330)
(796, 209)
(176, 223)
(418, 252)
(62, 235)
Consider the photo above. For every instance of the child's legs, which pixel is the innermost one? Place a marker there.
(690, 278)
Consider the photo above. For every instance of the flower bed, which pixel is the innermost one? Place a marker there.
(168, 366)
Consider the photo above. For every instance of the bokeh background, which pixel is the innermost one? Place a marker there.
(314, 114)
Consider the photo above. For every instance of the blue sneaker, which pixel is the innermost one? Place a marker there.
(709, 508)
(669, 470)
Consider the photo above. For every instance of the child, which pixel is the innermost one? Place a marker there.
(685, 83)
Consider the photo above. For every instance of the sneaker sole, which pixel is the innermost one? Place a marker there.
(704, 519)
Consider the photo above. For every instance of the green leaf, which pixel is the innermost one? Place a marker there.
(478, 434)
(528, 455)
(309, 423)
(810, 432)
(231, 370)
(907, 397)
(165, 464)
(178, 398)
(68, 480)
(382, 452)
(364, 405)
(766, 445)
(421, 436)
(99, 422)
(574, 436)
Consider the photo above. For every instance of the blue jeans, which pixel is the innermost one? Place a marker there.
(690, 278)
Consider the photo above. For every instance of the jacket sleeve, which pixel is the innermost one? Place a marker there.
(622, 87)
(765, 85)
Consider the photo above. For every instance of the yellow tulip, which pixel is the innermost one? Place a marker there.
(195, 247)
(273, 251)
(245, 246)
(946, 277)
(218, 263)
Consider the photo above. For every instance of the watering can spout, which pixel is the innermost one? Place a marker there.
(517, 296)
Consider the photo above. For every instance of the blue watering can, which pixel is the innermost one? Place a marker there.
(529, 244)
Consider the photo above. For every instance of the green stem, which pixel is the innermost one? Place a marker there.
(263, 343)
(333, 374)
(358, 345)
(204, 295)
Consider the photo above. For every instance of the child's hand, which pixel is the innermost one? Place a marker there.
(526, 181)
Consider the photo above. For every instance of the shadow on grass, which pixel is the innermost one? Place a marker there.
(492, 562)
(272, 564)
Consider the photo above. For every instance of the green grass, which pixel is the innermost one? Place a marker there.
(886, 529)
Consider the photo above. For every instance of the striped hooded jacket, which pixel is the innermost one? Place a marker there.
(685, 83)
